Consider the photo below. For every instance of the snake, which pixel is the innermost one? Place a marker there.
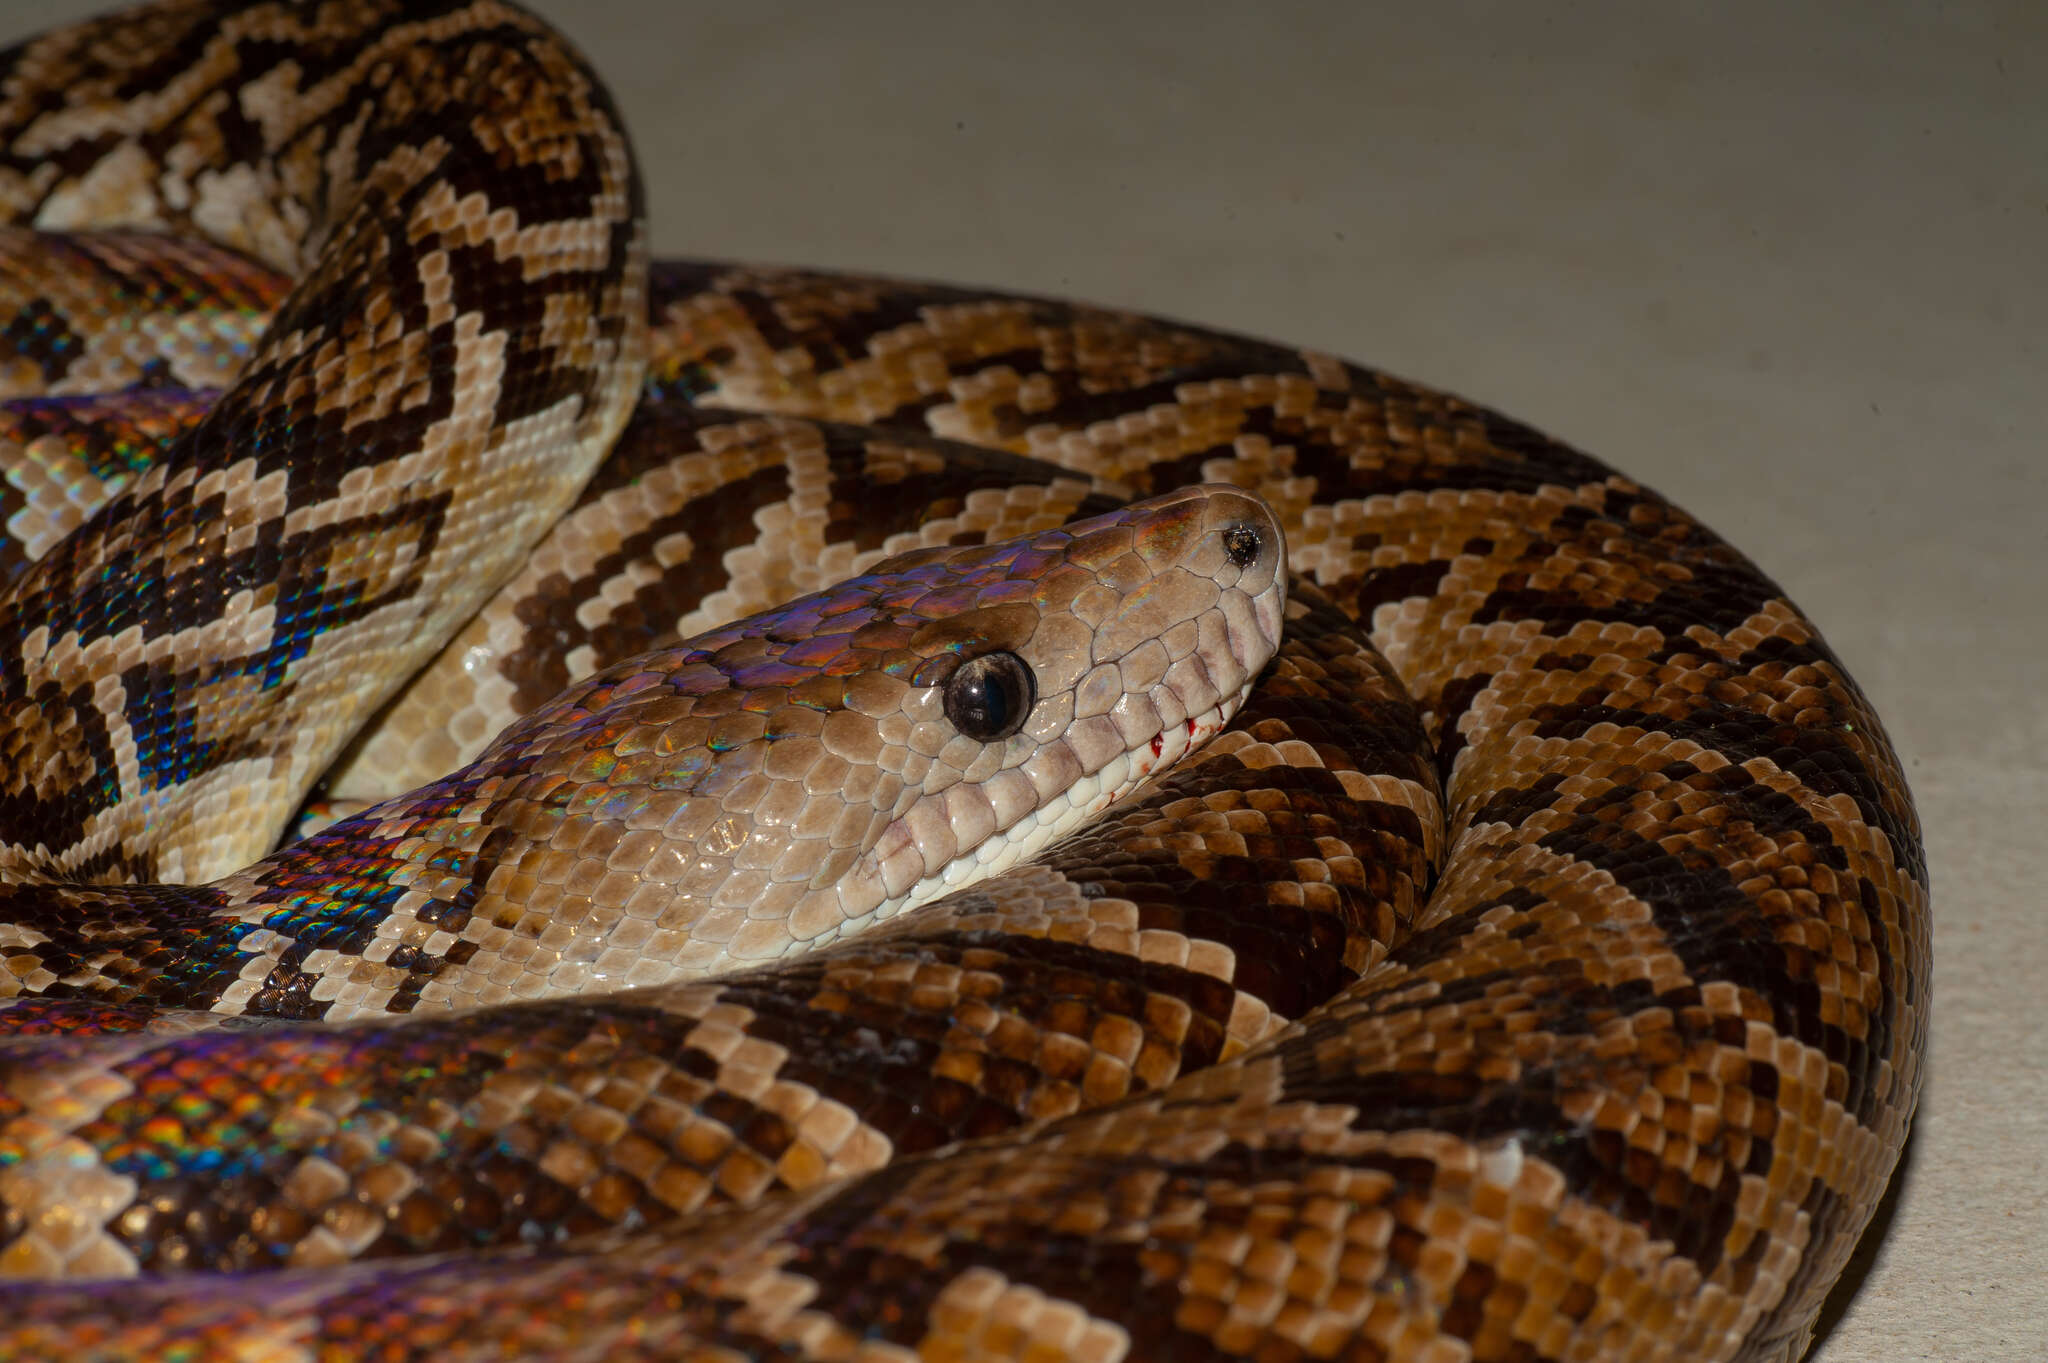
(564, 807)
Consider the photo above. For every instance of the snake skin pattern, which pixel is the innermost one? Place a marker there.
(1535, 968)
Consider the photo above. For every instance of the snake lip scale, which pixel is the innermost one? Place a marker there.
(936, 825)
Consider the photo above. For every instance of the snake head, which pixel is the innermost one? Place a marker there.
(793, 776)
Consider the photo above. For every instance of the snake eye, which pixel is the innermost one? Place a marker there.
(988, 697)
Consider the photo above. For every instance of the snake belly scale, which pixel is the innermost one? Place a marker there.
(784, 922)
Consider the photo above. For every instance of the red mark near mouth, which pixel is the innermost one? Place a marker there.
(1194, 729)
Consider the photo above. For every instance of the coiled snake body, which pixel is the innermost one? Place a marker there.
(1571, 1009)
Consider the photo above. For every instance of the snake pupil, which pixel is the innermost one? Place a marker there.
(988, 697)
(1241, 544)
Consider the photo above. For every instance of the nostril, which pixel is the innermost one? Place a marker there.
(1242, 544)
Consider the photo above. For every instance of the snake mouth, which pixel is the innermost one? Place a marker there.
(1067, 812)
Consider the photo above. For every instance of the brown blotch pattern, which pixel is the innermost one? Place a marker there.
(1573, 1010)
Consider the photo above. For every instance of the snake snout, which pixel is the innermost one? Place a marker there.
(1209, 548)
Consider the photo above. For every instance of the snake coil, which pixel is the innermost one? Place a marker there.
(1535, 968)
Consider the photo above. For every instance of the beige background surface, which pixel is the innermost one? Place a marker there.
(1788, 263)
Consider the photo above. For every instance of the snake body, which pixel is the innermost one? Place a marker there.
(1535, 968)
